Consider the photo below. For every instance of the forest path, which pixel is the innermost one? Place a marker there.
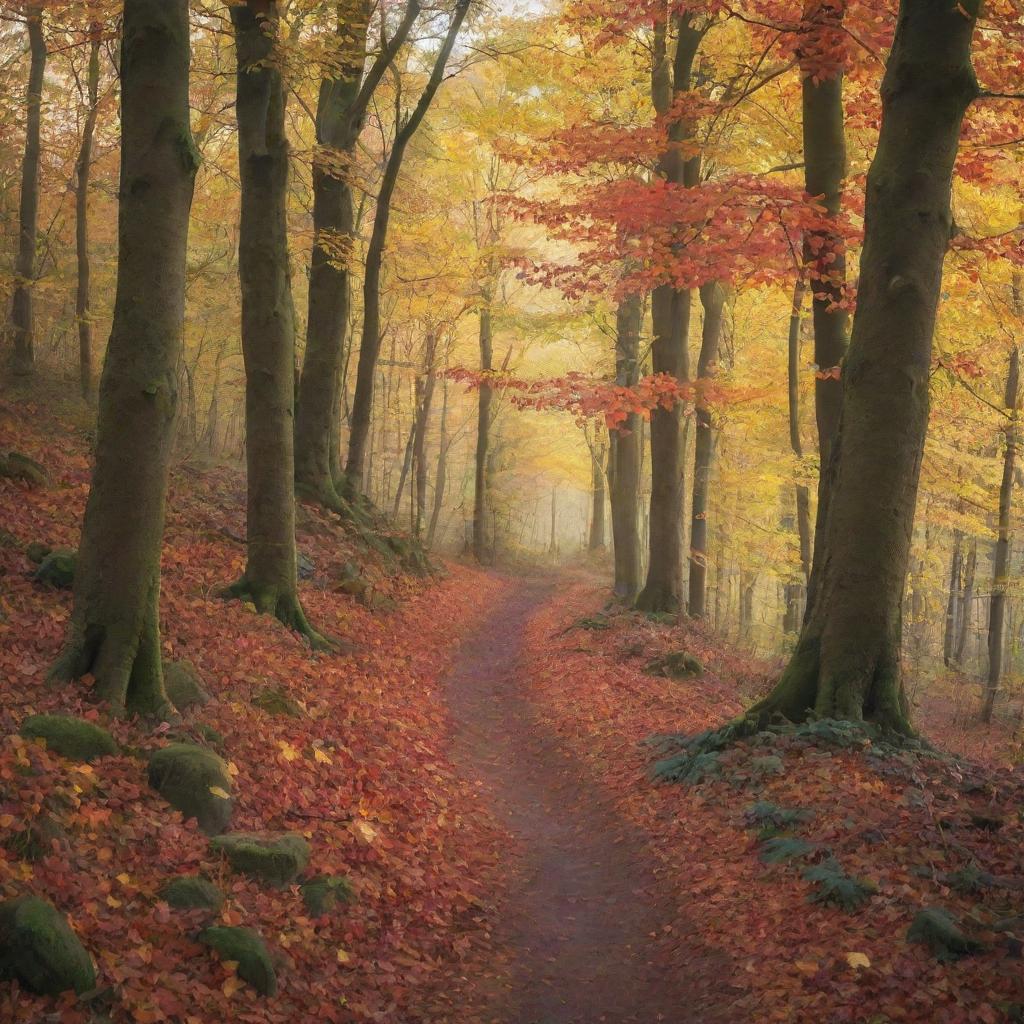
(583, 917)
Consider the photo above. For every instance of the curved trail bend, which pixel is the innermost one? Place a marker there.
(583, 918)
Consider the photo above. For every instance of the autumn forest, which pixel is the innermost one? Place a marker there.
(511, 511)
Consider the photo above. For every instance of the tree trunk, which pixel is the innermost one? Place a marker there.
(625, 457)
(794, 591)
(712, 297)
(670, 310)
(441, 475)
(419, 448)
(83, 168)
(953, 610)
(483, 429)
(966, 604)
(369, 349)
(268, 321)
(847, 660)
(115, 625)
(340, 113)
(22, 322)
(595, 542)
(1001, 557)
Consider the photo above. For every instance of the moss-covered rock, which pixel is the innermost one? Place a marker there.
(274, 859)
(57, 569)
(37, 551)
(193, 780)
(73, 738)
(675, 665)
(16, 466)
(183, 686)
(246, 948)
(274, 701)
(939, 931)
(325, 892)
(39, 838)
(190, 892)
(38, 947)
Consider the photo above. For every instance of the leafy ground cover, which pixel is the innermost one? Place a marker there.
(806, 858)
(358, 768)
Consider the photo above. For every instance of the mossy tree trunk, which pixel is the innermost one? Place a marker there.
(22, 321)
(268, 321)
(847, 661)
(624, 457)
(670, 312)
(795, 591)
(369, 347)
(115, 632)
(83, 169)
(483, 431)
(598, 459)
(712, 297)
(419, 444)
(341, 110)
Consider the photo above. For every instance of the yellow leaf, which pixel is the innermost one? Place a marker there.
(319, 755)
(344, 956)
(112, 901)
(231, 985)
(857, 960)
(232, 768)
(288, 752)
(806, 966)
(222, 793)
(124, 879)
(366, 831)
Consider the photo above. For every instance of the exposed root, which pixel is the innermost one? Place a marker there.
(283, 603)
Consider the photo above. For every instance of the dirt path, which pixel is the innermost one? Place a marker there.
(583, 920)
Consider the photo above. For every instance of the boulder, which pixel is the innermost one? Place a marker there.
(196, 782)
(324, 892)
(246, 948)
(57, 569)
(37, 551)
(190, 892)
(274, 701)
(20, 467)
(73, 738)
(183, 686)
(305, 566)
(675, 665)
(274, 859)
(38, 947)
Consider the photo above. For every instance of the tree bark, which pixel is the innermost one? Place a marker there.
(794, 591)
(83, 168)
(625, 457)
(966, 604)
(114, 633)
(953, 609)
(268, 321)
(340, 114)
(22, 320)
(670, 311)
(483, 429)
(595, 541)
(369, 349)
(712, 297)
(847, 661)
(1004, 536)
(441, 474)
(419, 447)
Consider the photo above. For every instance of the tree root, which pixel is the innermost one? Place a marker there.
(283, 603)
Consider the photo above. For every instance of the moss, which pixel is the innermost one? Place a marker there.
(73, 738)
(16, 466)
(779, 849)
(186, 777)
(190, 892)
(274, 859)
(38, 947)
(37, 551)
(246, 948)
(183, 686)
(675, 665)
(274, 701)
(37, 839)
(57, 569)
(836, 888)
(324, 892)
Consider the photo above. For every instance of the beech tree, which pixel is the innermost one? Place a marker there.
(21, 326)
(270, 580)
(847, 659)
(114, 633)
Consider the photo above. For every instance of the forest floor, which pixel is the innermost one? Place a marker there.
(478, 767)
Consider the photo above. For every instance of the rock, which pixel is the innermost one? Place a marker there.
(73, 738)
(190, 892)
(38, 947)
(246, 948)
(675, 665)
(276, 702)
(212, 736)
(183, 686)
(38, 839)
(37, 551)
(324, 892)
(57, 569)
(274, 859)
(940, 932)
(16, 466)
(305, 566)
(192, 779)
